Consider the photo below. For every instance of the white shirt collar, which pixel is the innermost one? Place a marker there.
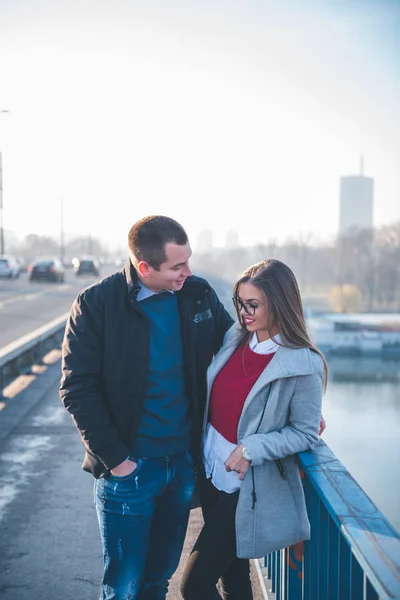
(144, 292)
(266, 347)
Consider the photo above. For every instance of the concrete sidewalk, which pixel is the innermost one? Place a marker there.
(50, 545)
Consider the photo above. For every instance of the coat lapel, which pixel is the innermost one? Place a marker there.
(287, 362)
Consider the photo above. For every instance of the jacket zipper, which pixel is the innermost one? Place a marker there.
(254, 489)
(281, 468)
(186, 308)
(253, 493)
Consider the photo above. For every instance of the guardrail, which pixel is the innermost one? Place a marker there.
(19, 356)
(354, 551)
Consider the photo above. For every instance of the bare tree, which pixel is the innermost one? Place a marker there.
(388, 265)
(36, 246)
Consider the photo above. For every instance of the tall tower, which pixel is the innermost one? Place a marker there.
(356, 202)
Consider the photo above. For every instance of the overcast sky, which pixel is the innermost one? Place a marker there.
(225, 115)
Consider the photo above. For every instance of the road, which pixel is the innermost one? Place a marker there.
(49, 544)
(26, 305)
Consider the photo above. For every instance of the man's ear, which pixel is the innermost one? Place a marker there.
(144, 269)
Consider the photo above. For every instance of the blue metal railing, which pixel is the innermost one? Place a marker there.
(353, 553)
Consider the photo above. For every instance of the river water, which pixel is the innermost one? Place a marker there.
(362, 410)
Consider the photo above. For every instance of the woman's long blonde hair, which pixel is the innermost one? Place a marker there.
(285, 308)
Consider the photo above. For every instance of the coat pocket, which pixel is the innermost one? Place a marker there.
(274, 523)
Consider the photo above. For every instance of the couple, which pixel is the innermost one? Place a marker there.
(165, 390)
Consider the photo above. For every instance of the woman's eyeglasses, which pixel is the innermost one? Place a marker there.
(248, 307)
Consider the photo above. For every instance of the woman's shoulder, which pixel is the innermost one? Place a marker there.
(316, 362)
(232, 337)
(306, 360)
(234, 333)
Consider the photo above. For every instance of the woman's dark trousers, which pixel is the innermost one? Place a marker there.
(213, 556)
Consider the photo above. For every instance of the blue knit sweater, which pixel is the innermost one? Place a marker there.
(164, 428)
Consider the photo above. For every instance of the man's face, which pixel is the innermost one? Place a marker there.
(172, 273)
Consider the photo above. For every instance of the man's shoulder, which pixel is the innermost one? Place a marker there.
(104, 287)
(196, 281)
(196, 286)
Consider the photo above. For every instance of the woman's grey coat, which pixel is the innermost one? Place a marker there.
(284, 408)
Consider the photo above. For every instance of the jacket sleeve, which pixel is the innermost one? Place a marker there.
(301, 432)
(80, 388)
(223, 320)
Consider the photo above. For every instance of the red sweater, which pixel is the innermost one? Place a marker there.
(231, 388)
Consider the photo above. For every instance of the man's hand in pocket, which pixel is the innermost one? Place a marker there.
(125, 468)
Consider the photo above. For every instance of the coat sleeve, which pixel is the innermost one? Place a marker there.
(80, 388)
(301, 432)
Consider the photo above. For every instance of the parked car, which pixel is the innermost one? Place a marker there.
(87, 265)
(9, 266)
(46, 269)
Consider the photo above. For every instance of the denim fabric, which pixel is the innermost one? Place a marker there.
(143, 519)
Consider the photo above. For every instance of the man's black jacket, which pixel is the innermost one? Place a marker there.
(105, 361)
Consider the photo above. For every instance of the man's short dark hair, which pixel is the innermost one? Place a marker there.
(147, 239)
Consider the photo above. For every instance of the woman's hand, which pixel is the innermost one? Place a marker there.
(237, 463)
(322, 425)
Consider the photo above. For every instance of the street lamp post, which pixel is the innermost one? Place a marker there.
(1, 198)
(62, 239)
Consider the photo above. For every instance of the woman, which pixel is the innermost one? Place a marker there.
(263, 407)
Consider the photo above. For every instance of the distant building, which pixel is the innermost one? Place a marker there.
(356, 334)
(205, 241)
(356, 202)
(232, 239)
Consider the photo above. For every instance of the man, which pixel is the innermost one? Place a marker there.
(135, 354)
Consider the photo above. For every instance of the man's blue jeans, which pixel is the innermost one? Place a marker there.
(143, 519)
